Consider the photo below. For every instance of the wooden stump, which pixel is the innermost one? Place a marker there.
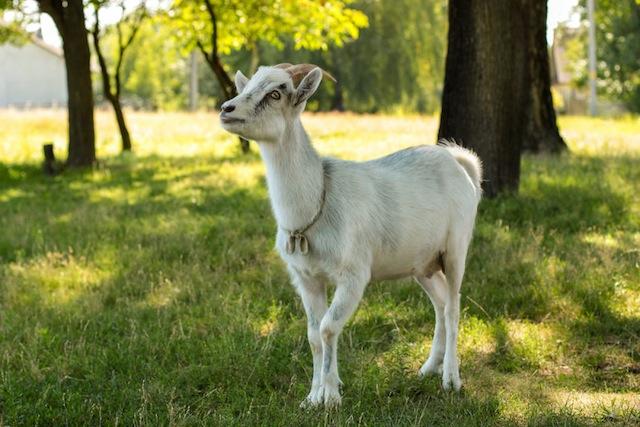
(49, 164)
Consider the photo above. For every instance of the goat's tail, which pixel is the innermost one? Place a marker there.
(469, 161)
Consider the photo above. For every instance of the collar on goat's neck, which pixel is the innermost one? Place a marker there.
(295, 177)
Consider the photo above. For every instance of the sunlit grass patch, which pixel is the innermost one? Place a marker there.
(613, 407)
(53, 280)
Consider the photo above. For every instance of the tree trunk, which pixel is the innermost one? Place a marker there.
(112, 96)
(122, 125)
(82, 151)
(485, 87)
(213, 59)
(337, 102)
(541, 131)
(255, 58)
(229, 90)
(227, 86)
(69, 20)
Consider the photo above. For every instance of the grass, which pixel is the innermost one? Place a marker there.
(147, 291)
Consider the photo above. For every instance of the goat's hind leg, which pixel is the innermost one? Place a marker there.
(437, 289)
(455, 266)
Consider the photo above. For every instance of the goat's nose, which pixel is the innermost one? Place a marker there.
(228, 108)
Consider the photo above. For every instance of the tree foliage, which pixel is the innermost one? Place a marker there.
(397, 63)
(147, 81)
(221, 27)
(12, 30)
(311, 24)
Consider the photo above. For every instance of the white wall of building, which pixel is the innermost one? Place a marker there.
(32, 75)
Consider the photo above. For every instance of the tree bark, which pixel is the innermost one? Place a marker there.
(541, 132)
(485, 87)
(337, 101)
(122, 124)
(113, 98)
(255, 58)
(70, 22)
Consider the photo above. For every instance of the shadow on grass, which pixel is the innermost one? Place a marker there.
(568, 195)
(167, 305)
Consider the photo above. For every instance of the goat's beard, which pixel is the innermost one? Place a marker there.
(235, 128)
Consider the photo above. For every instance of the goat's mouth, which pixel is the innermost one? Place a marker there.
(226, 120)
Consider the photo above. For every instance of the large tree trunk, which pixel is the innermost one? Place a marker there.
(485, 86)
(541, 132)
(69, 20)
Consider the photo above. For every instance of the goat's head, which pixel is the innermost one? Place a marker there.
(269, 100)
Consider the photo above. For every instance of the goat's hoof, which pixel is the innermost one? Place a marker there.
(430, 368)
(451, 381)
(330, 396)
(308, 403)
(313, 399)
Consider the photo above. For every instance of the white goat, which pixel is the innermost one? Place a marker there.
(407, 214)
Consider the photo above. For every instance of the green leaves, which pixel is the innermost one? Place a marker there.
(311, 24)
(11, 30)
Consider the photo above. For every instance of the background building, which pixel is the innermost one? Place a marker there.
(32, 75)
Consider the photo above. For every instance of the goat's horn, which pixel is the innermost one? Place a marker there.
(298, 71)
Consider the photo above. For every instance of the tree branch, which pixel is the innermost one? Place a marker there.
(213, 58)
(123, 46)
(204, 52)
(104, 71)
(54, 9)
(214, 22)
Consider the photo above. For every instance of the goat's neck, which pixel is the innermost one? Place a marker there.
(295, 177)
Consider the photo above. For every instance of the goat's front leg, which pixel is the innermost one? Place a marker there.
(349, 290)
(314, 298)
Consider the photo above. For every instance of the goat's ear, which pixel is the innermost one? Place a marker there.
(308, 86)
(241, 81)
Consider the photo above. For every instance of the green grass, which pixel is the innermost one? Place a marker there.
(147, 291)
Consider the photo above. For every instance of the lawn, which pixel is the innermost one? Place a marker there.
(147, 291)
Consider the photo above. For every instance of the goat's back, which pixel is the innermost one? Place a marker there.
(402, 206)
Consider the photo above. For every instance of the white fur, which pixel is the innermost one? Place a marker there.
(392, 217)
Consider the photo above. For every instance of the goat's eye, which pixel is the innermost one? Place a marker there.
(274, 94)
